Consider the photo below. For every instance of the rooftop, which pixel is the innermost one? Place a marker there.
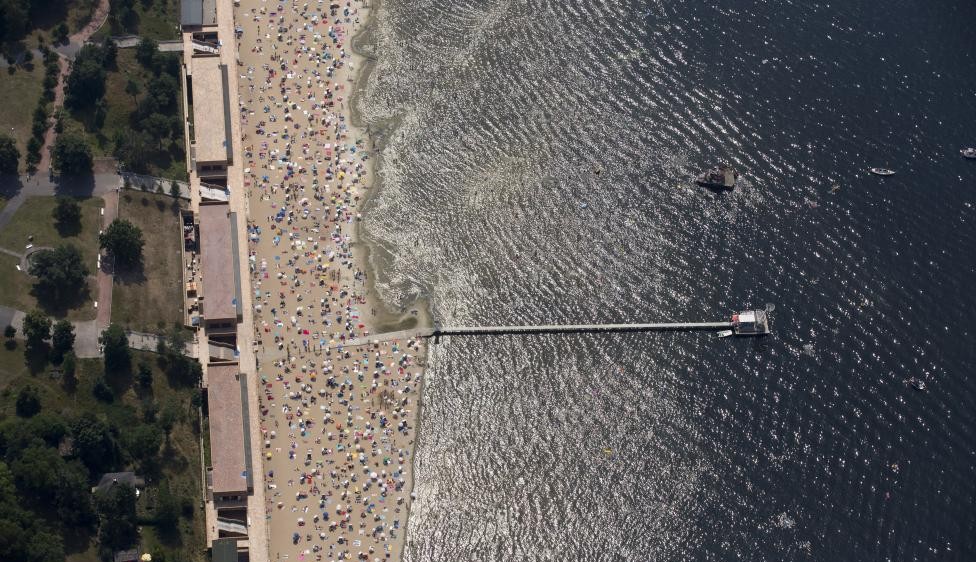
(226, 429)
(217, 262)
(198, 12)
(210, 111)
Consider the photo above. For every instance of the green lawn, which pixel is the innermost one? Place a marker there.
(170, 162)
(20, 92)
(179, 459)
(34, 218)
(152, 298)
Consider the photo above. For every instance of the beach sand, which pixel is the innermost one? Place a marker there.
(337, 422)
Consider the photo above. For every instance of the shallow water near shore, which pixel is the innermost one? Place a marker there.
(535, 160)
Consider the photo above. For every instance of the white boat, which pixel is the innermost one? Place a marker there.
(725, 333)
(881, 171)
(969, 153)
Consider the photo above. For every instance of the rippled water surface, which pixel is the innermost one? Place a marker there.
(536, 159)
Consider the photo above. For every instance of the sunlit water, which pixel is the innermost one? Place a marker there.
(536, 159)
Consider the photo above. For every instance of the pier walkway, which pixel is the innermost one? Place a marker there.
(437, 332)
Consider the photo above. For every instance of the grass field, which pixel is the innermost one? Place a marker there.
(153, 298)
(179, 458)
(34, 218)
(171, 162)
(20, 92)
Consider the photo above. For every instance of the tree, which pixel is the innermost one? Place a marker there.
(115, 344)
(132, 88)
(94, 443)
(9, 155)
(143, 442)
(62, 340)
(144, 375)
(133, 148)
(60, 275)
(123, 240)
(174, 190)
(28, 402)
(117, 510)
(61, 33)
(86, 83)
(72, 156)
(110, 52)
(36, 330)
(68, 367)
(67, 214)
(146, 52)
(73, 496)
(158, 126)
(9, 332)
(36, 471)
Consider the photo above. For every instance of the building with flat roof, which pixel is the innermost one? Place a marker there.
(229, 456)
(210, 144)
(220, 302)
(229, 476)
(196, 14)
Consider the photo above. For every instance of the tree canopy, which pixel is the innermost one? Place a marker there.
(71, 155)
(115, 345)
(62, 340)
(36, 330)
(60, 275)
(86, 83)
(123, 240)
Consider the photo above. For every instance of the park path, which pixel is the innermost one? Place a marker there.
(67, 53)
(17, 190)
(104, 275)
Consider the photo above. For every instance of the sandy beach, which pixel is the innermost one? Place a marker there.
(337, 422)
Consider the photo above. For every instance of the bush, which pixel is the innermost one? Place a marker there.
(102, 391)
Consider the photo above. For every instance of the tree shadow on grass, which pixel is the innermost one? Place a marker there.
(10, 186)
(37, 359)
(133, 275)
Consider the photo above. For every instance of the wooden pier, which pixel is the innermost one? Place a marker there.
(753, 323)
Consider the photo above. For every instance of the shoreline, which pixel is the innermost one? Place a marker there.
(324, 500)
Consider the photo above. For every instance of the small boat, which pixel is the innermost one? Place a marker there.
(881, 171)
(968, 153)
(917, 384)
(725, 333)
(719, 177)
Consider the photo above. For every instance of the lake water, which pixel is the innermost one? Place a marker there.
(536, 160)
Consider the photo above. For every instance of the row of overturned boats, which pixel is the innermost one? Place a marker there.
(724, 177)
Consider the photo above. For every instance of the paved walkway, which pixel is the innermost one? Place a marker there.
(86, 332)
(18, 189)
(104, 276)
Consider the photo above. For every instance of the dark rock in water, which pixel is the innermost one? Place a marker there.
(719, 177)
